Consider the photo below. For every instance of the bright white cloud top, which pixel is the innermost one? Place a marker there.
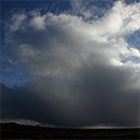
(74, 39)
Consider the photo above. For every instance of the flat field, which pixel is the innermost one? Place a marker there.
(30, 132)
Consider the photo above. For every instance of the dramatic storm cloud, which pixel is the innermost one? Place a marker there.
(76, 66)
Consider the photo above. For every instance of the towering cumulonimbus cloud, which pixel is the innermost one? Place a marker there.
(83, 72)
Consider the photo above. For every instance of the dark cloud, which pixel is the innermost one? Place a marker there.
(0, 71)
(96, 96)
(105, 98)
(20, 103)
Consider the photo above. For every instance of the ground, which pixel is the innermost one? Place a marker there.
(29, 132)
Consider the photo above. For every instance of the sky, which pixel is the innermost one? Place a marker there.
(71, 63)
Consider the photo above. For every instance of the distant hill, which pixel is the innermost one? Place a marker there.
(18, 125)
(12, 124)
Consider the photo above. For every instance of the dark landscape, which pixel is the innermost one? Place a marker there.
(16, 131)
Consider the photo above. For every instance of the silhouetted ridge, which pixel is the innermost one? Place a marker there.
(12, 124)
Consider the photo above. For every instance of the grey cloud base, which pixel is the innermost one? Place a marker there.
(96, 96)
